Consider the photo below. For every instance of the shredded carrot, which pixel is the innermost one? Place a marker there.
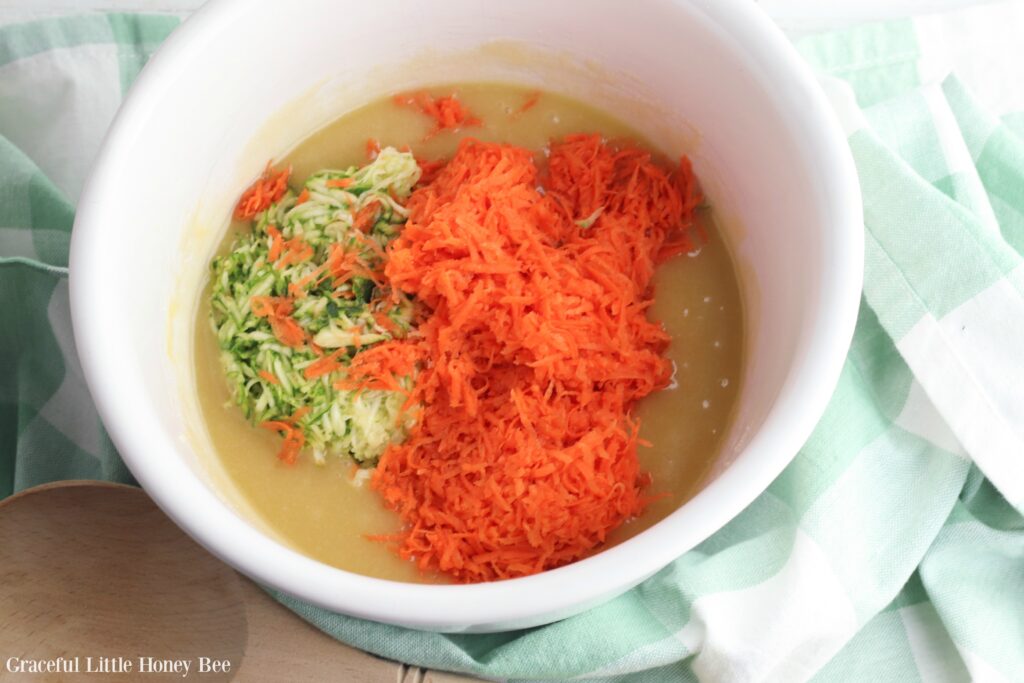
(303, 197)
(270, 306)
(531, 101)
(340, 182)
(680, 241)
(371, 244)
(287, 331)
(269, 377)
(270, 187)
(294, 438)
(278, 311)
(366, 217)
(323, 365)
(534, 351)
(447, 112)
(276, 242)
(343, 265)
(372, 148)
(381, 366)
(385, 323)
(296, 250)
(286, 252)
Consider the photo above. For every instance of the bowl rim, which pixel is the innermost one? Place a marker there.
(533, 599)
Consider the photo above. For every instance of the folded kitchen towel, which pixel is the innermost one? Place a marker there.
(892, 548)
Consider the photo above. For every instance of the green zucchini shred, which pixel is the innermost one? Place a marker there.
(341, 422)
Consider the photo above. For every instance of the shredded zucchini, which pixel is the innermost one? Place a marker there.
(266, 376)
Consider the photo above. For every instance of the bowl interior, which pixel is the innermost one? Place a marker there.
(232, 88)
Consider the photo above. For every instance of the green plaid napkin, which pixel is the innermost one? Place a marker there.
(892, 549)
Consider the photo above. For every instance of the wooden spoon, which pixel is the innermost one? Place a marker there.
(93, 569)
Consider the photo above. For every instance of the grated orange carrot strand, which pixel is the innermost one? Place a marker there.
(447, 112)
(534, 350)
(267, 189)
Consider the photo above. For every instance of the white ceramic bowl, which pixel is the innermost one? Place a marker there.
(234, 87)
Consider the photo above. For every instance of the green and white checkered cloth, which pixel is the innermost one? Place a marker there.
(891, 549)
